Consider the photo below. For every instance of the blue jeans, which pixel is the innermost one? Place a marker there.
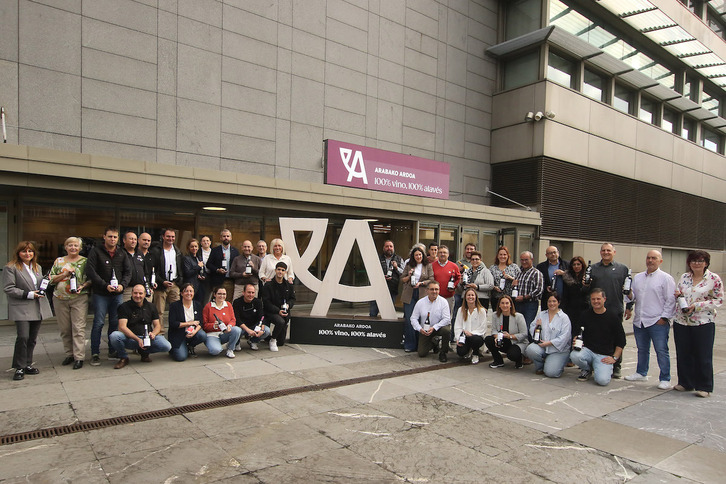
(658, 333)
(120, 343)
(410, 335)
(103, 305)
(552, 363)
(587, 360)
(214, 343)
(182, 352)
(529, 310)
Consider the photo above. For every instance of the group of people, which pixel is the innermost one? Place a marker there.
(250, 295)
(559, 313)
(551, 315)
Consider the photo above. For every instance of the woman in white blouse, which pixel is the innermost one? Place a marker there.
(416, 274)
(695, 326)
(553, 351)
(470, 326)
(267, 268)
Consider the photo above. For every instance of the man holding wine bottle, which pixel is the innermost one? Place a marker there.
(431, 317)
(447, 274)
(609, 275)
(552, 271)
(139, 329)
(653, 293)
(169, 263)
(527, 288)
(278, 298)
(220, 261)
(392, 266)
(109, 272)
(598, 341)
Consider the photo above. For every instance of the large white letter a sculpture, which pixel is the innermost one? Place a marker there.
(330, 288)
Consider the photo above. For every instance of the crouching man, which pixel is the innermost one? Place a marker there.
(138, 329)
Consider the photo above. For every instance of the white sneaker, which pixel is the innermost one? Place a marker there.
(474, 359)
(636, 377)
(273, 345)
(254, 347)
(238, 347)
(664, 385)
(230, 353)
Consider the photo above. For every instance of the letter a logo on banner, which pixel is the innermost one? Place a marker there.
(357, 163)
(330, 287)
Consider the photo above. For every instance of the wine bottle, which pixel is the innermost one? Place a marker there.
(168, 274)
(153, 276)
(147, 287)
(44, 283)
(588, 273)
(628, 283)
(73, 283)
(682, 303)
(259, 325)
(537, 337)
(285, 306)
(465, 277)
(248, 267)
(578, 340)
(502, 282)
(190, 329)
(147, 338)
(450, 285)
(220, 324)
(500, 336)
(389, 272)
(113, 282)
(515, 292)
(225, 265)
(427, 323)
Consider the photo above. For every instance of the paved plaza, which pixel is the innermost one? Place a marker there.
(446, 423)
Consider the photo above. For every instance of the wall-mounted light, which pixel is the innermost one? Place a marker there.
(529, 117)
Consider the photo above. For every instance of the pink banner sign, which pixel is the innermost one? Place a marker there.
(357, 166)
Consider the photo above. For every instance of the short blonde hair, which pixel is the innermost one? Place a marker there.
(274, 242)
(73, 239)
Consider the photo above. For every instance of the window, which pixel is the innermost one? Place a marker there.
(711, 141)
(689, 129)
(669, 121)
(623, 99)
(561, 70)
(523, 16)
(522, 70)
(711, 101)
(648, 110)
(594, 85)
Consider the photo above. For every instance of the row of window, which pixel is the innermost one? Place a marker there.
(605, 89)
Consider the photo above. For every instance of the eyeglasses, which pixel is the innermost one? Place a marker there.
(699, 261)
(475, 258)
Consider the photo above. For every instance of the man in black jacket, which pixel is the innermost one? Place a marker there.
(552, 270)
(392, 266)
(278, 298)
(136, 264)
(168, 260)
(220, 262)
(109, 271)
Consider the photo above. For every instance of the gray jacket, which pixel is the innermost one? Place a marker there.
(18, 284)
(517, 327)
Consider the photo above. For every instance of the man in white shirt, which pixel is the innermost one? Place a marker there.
(431, 317)
(168, 274)
(655, 305)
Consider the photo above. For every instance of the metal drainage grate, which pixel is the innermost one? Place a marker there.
(196, 407)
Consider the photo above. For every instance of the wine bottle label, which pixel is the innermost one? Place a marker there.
(222, 326)
(502, 283)
(44, 284)
(515, 292)
(190, 329)
(248, 269)
(462, 338)
(578, 344)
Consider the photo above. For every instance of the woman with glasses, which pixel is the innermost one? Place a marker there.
(479, 278)
(699, 293)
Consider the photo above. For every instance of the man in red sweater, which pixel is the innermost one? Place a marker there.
(447, 274)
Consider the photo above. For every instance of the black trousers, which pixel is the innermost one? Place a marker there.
(279, 331)
(25, 343)
(694, 355)
(473, 343)
(513, 352)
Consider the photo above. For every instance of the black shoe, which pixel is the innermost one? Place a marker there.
(19, 374)
(190, 350)
(112, 355)
(67, 361)
(617, 373)
(518, 365)
(78, 365)
(495, 364)
(29, 370)
(584, 375)
(442, 357)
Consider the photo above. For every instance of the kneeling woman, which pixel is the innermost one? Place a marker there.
(514, 334)
(553, 350)
(185, 326)
(220, 324)
(471, 322)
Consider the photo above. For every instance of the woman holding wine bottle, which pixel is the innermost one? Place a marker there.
(220, 324)
(503, 272)
(470, 326)
(550, 330)
(70, 300)
(575, 297)
(193, 270)
(417, 273)
(185, 328)
(509, 334)
(699, 292)
(479, 278)
(27, 305)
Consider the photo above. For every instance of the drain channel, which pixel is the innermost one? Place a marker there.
(197, 407)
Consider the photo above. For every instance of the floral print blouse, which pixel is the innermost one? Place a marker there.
(705, 296)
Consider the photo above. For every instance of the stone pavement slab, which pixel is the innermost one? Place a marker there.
(697, 463)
